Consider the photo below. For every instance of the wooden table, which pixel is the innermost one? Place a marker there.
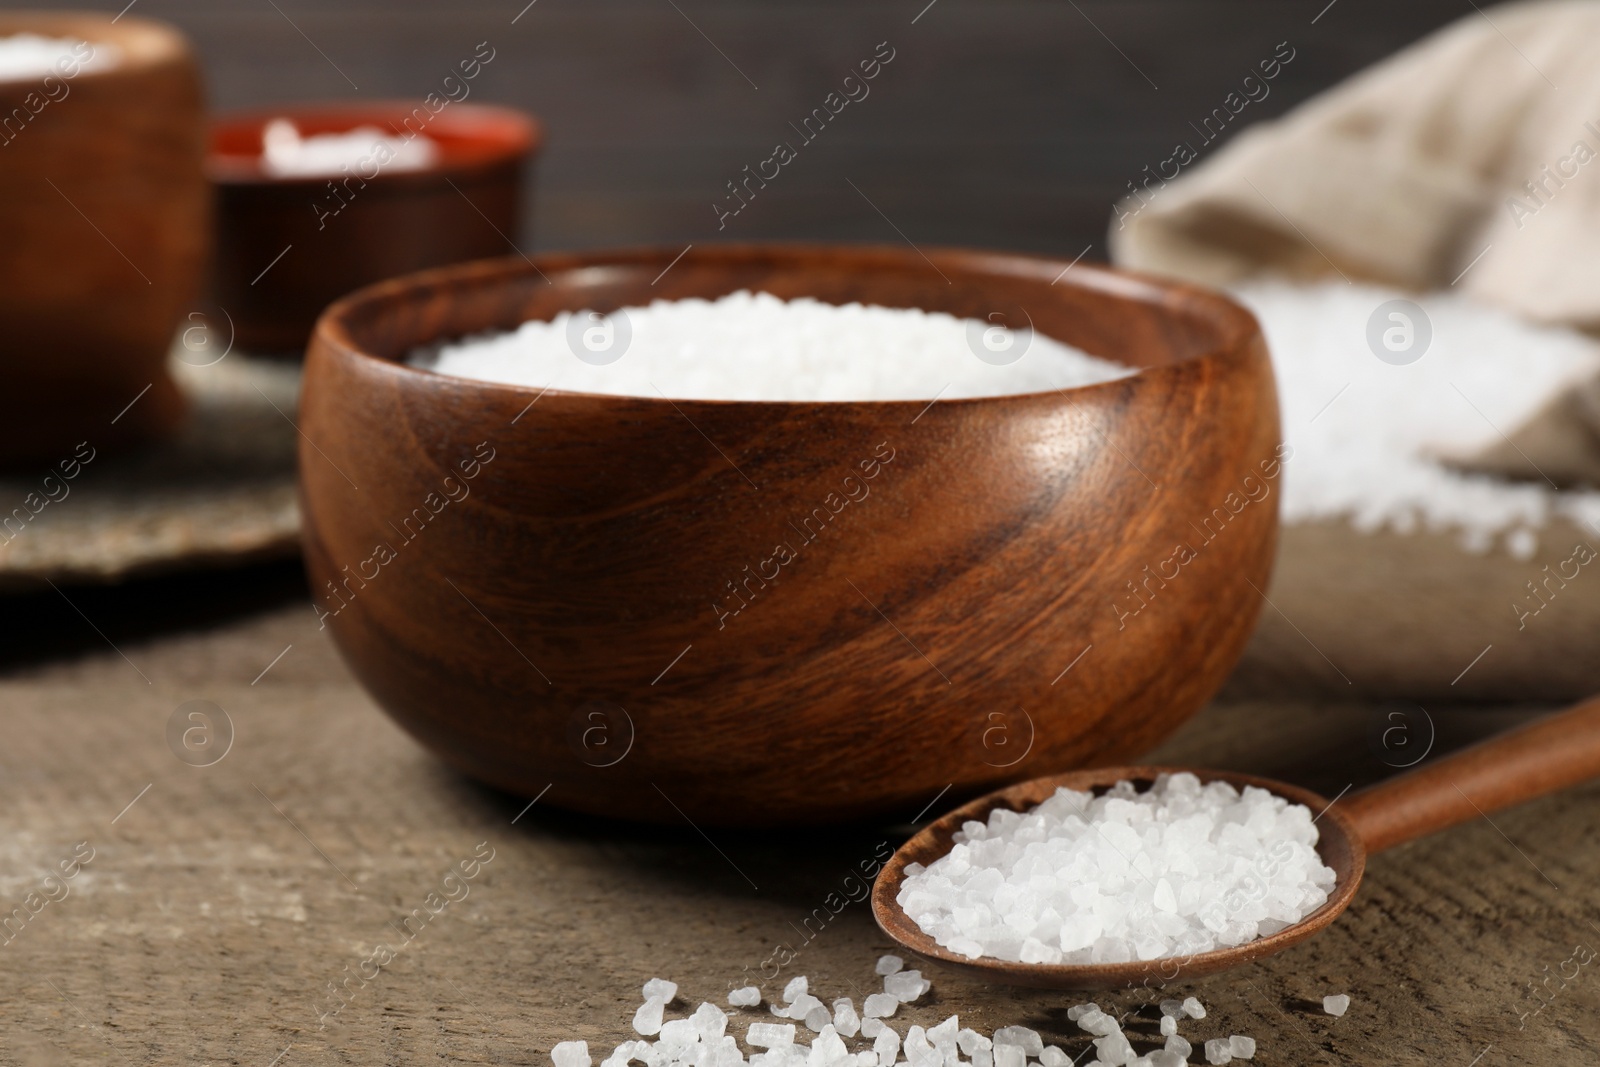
(223, 904)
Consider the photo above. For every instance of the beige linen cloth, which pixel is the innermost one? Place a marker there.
(1469, 159)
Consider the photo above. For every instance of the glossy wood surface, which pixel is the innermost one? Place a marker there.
(337, 233)
(1531, 761)
(105, 217)
(935, 635)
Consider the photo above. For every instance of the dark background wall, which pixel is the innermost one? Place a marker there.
(999, 124)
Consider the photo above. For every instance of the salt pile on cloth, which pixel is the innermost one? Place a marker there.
(1365, 433)
(707, 1037)
(1179, 869)
(286, 153)
(755, 346)
(30, 55)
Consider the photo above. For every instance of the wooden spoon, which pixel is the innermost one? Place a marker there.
(1542, 757)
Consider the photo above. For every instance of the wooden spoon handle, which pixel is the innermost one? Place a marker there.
(1542, 757)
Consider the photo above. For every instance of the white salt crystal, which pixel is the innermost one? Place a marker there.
(1336, 1005)
(797, 987)
(871, 1027)
(770, 1035)
(828, 1050)
(1054, 1056)
(754, 346)
(906, 986)
(1372, 455)
(1169, 1026)
(571, 1054)
(745, 997)
(1076, 1012)
(1180, 1045)
(1028, 1040)
(647, 1020)
(1219, 1051)
(679, 1032)
(886, 1045)
(1098, 1022)
(1242, 1047)
(710, 1020)
(1193, 1008)
(660, 989)
(1113, 1049)
(285, 152)
(818, 1018)
(970, 1041)
(879, 1005)
(845, 1019)
(1172, 1007)
(1165, 1058)
(889, 964)
(1174, 870)
(1009, 1056)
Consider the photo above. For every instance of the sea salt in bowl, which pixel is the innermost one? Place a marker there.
(104, 224)
(366, 191)
(537, 583)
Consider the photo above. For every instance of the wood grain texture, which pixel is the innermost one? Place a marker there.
(354, 229)
(105, 213)
(593, 566)
(207, 928)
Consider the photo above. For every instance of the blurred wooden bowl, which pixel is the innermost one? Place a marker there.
(336, 233)
(103, 203)
(526, 580)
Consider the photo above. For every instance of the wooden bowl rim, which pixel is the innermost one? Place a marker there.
(159, 43)
(1234, 326)
(935, 839)
(517, 134)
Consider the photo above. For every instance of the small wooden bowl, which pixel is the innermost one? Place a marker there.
(550, 621)
(342, 232)
(104, 208)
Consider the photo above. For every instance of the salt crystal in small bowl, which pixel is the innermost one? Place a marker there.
(529, 581)
(290, 242)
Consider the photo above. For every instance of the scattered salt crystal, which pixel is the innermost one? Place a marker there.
(828, 1050)
(920, 1051)
(1054, 1056)
(1165, 1058)
(845, 1019)
(886, 1045)
(1193, 1008)
(1169, 1026)
(906, 986)
(1075, 1012)
(1172, 1007)
(1242, 1047)
(770, 1035)
(1230, 862)
(647, 1020)
(1180, 1045)
(1098, 1022)
(1336, 1005)
(1219, 1050)
(818, 1018)
(889, 964)
(571, 1054)
(879, 1005)
(755, 346)
(871, 1027)
(1027, 1040)
(746, 997)
(1009, 1056)
(970, 1041)
(710, 1021)
(797, 987)
(679, 1032)
(660, 989)
(1113, 1049)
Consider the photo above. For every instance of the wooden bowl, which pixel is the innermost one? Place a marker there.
(103, 204)
(338, 233)
(537, 585)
